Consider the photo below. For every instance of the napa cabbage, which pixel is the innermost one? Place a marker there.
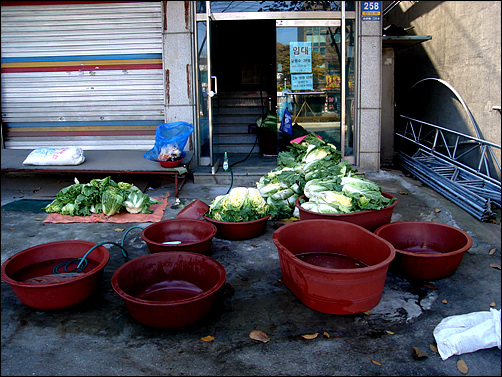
(239, 204)
(138, 202)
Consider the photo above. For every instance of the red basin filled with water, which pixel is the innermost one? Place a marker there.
(29, 273)
(180, 234)
(370, 219)
(169, 290)
(425, 250)
(333, 266)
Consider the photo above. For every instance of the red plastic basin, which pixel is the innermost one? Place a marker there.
(425, 250)
(190, 282)
(242, 230)
(333, 290)
(370, 219)
(195, 235)
(38, 262)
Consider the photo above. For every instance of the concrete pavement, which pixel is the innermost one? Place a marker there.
(98, 336)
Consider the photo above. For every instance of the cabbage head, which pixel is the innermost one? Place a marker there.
(137, 202)
(336, 200)
(239, 204)
(112, 202)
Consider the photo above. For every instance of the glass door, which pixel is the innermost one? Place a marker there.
(312, 80)
(207, 88)
(315, 69)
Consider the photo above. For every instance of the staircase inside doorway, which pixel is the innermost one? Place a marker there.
(235, 115)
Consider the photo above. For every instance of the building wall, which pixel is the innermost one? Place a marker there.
(464, 51)
(368, 123)
(179, 64)
(179, 68)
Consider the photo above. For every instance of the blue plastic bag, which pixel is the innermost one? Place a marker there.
(176, 133)
(286, 122)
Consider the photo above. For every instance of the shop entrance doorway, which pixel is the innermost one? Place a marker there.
(243, 64)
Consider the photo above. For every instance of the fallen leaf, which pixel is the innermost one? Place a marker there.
(37, 189)
(430, 285)
(259, 335)
(495, 265)
(444, 302)
(462, 366)
(208, 338)
(390, 332)
(375, 362)
(325, 334)
(119, 229)
(403, 193)
(418, 354)
(288, 221)
(39, 219)
(15, 228)
(437, 210)
(367, 312)
(433, 348)
(492, 251)
(310, 336)
(492, 304)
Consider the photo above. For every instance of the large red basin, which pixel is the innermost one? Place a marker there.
(370, 219)
(193, 272)
(38, 261)
(195, 235)
(239, 230)
(333, 290)
(425, 250)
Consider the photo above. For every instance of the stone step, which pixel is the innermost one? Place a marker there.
(244, 173)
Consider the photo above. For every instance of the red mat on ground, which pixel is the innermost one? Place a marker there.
(121, 217)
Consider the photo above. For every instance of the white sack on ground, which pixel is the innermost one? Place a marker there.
(466, 333)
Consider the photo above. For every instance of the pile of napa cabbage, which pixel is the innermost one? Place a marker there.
(100, 196)
(239, 204)
(314, 167)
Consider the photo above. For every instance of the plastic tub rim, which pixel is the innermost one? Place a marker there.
(344, 271)
(429, 256)
(64, 282)
(166, 304)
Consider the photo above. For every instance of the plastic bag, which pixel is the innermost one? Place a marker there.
(169, 133)
(55, 156)
(466, 333)
(169, 152)
(286, 123)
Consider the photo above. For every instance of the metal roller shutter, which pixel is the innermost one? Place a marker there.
(87, 74)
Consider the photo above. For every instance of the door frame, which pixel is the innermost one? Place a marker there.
(287, 18)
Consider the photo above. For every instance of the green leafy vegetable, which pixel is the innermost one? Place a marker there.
(100, 195)
(112, 202)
